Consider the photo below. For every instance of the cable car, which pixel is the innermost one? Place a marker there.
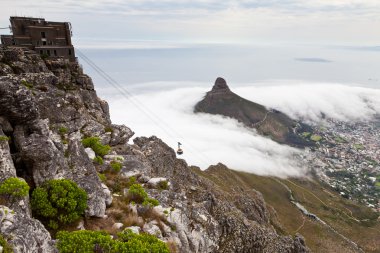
(179, 150)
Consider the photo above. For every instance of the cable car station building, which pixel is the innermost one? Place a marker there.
(51, 39)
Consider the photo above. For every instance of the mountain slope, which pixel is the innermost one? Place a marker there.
(49, 107)
(346, 223)
(277, 125)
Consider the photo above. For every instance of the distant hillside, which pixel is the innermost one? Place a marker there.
(334, 224)
(275, 124)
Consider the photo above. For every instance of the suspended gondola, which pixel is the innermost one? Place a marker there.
(179, 150)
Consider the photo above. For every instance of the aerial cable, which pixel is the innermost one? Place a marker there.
(137, 103)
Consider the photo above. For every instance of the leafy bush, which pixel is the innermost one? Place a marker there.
(150, 202)
(98, 160)
(6, 247)
(102, 177)
(27, 84)
(138, 194)
(315, 138)
(63, 130)
(4, 138)
(116, 166)
(96, 145)
(163, 185)
(14, 186)
(59, 202)
(97, 241)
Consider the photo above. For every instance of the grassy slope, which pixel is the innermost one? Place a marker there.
(329, 206)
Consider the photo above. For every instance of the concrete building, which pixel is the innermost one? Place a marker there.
(51, 39)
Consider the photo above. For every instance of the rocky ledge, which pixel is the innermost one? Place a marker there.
(48, 106)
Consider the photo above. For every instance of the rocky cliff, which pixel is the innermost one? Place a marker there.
(268, 122)
(48, 106)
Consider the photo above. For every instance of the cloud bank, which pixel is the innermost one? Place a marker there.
(209, 139)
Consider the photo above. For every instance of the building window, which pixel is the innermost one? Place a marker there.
(44, 43)
(41, 52)
(43, 35)
(69, 51)
(48, 52)
(55, 52)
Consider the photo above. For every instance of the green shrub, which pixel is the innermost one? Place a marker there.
(59, 202)
(137, 193)
(97, 241)
(316, 138)
(98, 160)
(102, 177)
(6, 247)
(63, 130)
(4, 138)
(14, 186)
(163, 185)
(27, 84)
(116, 166)
(150, 202)
(96, 145)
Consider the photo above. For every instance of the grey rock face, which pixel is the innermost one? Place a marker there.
(24, 233)
(7, 170)
(49, 107)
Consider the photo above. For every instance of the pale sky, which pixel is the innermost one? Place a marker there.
(173, 23)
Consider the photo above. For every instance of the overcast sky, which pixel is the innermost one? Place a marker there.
(176, 22)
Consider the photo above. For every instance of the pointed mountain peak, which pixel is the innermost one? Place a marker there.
(220, 85)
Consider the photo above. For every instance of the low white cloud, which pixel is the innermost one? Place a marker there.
(209, 139)
(310, 101)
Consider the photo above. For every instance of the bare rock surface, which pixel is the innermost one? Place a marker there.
(24, 233)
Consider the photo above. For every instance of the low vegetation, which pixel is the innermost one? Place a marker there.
(316, 138)
(95, 144)
(116, 166)
(27, 84)
(58, 202)
(14, 187)
(4, 138)
(102, 177)
(97, 241)
(63, 130)
(6, 247)
(137, 194)
(163, 185)
(99, 160)
(358, 146)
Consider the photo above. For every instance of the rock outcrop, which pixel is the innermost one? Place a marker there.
(268, 122)
(48, 106)
(24, 233)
